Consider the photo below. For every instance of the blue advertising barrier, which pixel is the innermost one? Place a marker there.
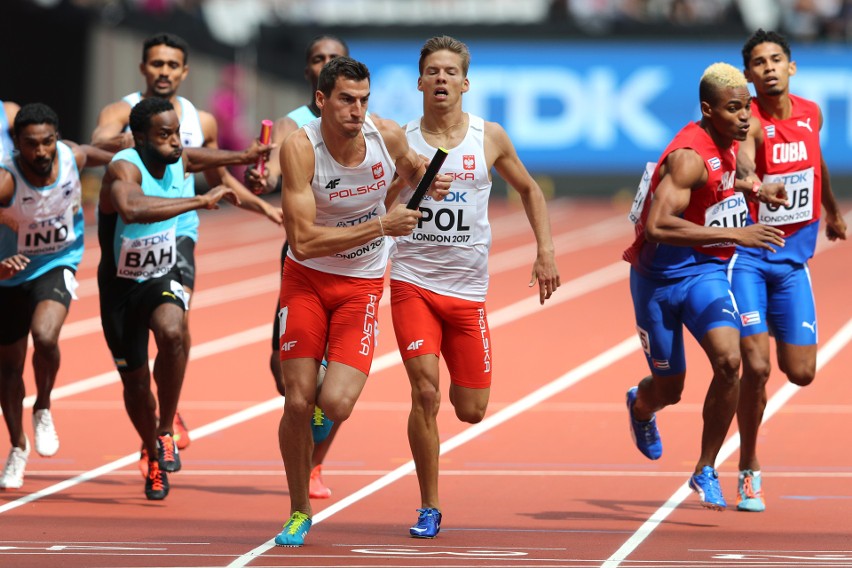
(602, 106)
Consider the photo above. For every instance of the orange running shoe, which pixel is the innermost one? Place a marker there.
(169, 456)
(181, 432)
(143, 462)
(156, 483)
(317, 489)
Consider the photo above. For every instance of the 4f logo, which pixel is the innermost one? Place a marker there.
(469, 162)
(333, 183)
(378, 171)
(288, 345)
(415, 345)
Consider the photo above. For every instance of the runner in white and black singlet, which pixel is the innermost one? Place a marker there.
(41, 244)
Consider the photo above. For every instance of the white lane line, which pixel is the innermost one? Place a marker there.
(214, 347)
(590, 367)
(508, 314)
(473, 472)
(834, 346)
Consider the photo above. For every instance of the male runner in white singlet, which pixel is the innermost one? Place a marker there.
(439, 274)
(337, 170)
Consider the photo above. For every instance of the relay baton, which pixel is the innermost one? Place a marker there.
(431, 172)
(265, 137)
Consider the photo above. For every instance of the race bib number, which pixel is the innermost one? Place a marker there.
(448, 221)
(46, 236)
(730, 212)
(147, 257)
(641, 193)
(800, 191)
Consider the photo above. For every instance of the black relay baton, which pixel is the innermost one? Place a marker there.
(431, 172)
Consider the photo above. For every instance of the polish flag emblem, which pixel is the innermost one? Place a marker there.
(378, 171)
(469, 162)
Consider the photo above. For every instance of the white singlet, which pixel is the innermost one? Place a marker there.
(349, 196)
(448, 251)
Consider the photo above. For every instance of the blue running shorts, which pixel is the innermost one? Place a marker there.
(662, 307)
(775, 296)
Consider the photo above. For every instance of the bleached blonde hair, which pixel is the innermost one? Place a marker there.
(717, 77)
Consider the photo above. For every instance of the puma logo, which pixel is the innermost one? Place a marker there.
(805, 124)
(60, 293)
(733, 314)
(810, 326)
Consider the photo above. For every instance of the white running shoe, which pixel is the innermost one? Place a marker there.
(13, 474)
(46, 440)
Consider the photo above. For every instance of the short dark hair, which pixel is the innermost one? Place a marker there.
(167, 39)
(35, 113)
(140, 115)
(762, 36)
(323, 37)
(341, 66)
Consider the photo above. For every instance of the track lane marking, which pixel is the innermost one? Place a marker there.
(834, 346)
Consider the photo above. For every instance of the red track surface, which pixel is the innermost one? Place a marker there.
(550, 478)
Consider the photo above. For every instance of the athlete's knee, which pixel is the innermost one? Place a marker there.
(339, 409)
(45, 341)
(471, 414)
(426, 397)
(136, 384)
(801, 374)
(11, 370)
(170, 335)
(756, 371)
(298, 406)
(726, 365)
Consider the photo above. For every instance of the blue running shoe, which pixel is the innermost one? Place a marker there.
(645, 433)
(295, 530)
(750, 492)
(706, 484)
(428, 524)
(320, 425)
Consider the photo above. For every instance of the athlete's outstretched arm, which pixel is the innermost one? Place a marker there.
(509, 166)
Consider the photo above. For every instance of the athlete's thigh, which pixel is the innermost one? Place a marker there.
(51, 298)
(791, 307)
(708, 303)
(416, 325)
(658, 324)
(466, 343)
(15, 322)
(302, 316)
(354, 326)
(748, 283)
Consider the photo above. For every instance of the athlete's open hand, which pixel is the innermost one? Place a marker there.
(400, 221)
(212, 198)
(760, 236)
(12, 265)
(544, 271)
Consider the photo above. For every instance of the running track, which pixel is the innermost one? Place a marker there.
(549, 479)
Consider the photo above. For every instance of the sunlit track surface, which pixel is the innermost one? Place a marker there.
(550, 478)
